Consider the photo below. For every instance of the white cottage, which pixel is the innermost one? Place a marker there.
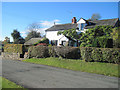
(81, 26)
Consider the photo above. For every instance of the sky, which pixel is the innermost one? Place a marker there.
(18, 15)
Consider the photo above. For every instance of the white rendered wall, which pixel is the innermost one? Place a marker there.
(52, 35)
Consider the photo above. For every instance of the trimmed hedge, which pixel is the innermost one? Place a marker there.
(13, 48)
(110, 55)
(54, 51)
(38, 52)
(65, 52)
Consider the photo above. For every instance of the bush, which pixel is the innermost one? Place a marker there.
(14, 48)
(52, 52)
(65, 52)
(38, 52)
(86, 54)
(97, 55)
(44, 40)
(111, 55)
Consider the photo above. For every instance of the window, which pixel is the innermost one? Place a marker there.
(63, 43)
(54, 42)
(82, 26)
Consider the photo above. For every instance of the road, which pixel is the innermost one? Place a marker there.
(31, 75)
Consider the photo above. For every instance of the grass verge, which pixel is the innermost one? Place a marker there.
(107, 69)
(8, 84)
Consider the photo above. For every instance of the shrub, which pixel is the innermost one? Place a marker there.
(44, 40)
(14, 48)
(111, 55)
(38, 52)
(52, 52)
(65, 52)
(97, 55)
(86, 53)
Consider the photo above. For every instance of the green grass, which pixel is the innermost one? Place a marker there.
(8, 84)
(107, 69)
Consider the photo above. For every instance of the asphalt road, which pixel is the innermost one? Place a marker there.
(41, 76)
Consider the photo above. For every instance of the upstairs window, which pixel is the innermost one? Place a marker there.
(81, 26)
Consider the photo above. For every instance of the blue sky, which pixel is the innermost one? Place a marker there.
(18, 15)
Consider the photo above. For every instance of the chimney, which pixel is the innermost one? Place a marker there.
(74, 20)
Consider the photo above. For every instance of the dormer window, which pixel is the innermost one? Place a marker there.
(81, 26)
(82, 23)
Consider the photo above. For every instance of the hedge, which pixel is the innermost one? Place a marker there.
(64, 52)
(13, 48)
(54, 51)
(89, 54)
(110, 55)
(38, 52)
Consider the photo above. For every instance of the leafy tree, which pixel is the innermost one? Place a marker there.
(7, 39)
(95, 16)
(17, 37)
(71, 34)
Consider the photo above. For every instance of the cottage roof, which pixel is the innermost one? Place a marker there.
(32, 41)
(62, 27)
(111, 22)
(91, 24)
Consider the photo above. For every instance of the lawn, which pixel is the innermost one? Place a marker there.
(8, 84)
(107, 69)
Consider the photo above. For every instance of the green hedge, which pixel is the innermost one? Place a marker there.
(111, 55)
(54, 51)
(13, 48)
(64, 52)
(38, 52)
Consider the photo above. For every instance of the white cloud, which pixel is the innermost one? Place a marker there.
(48, 24)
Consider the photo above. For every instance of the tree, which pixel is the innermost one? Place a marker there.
(6, 41)
(71, 34)
(17, 37)
(95, 16)
(34, 27)
(33, 31)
